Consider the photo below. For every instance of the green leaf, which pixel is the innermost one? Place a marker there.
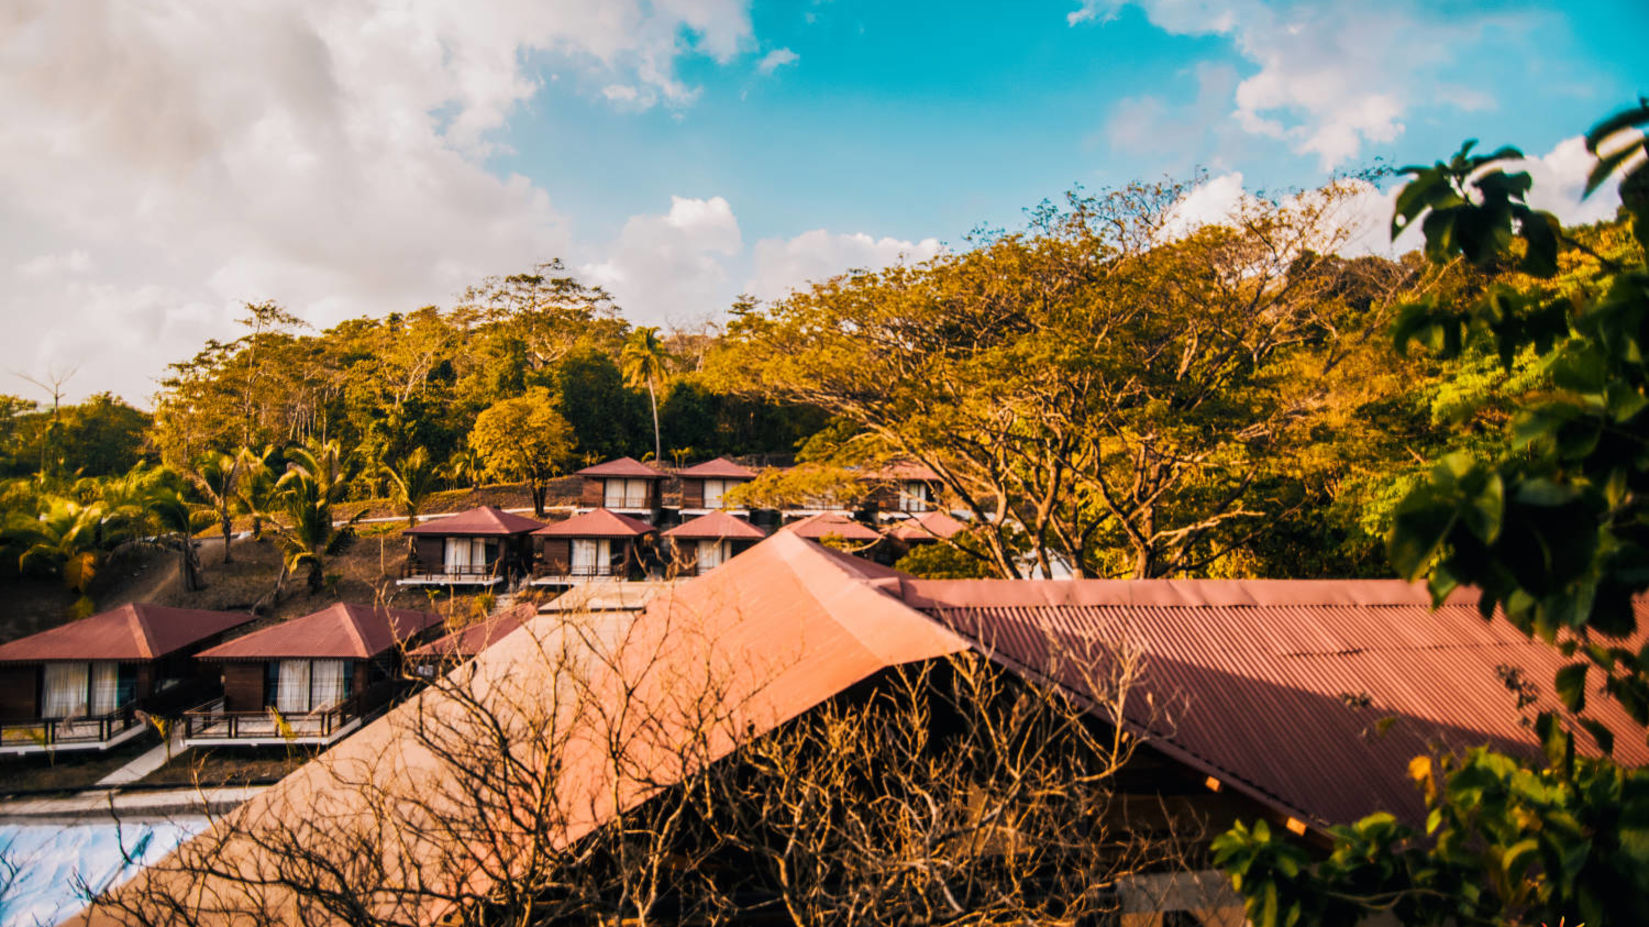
(1571, 685)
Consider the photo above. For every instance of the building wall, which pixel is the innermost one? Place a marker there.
(19, 692)
(555, 554)
(692, 493)
(430, 550)
(243, 686)
(592, 492)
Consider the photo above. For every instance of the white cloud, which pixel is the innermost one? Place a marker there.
(674, 265)
(775, 59)
(325, 155)
(782, 265)
(1333, 76)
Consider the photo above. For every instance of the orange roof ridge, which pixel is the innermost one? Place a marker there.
(352, 626)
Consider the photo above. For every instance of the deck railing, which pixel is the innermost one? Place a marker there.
(411, 569)
(52, 732)
(555, 572)
(211, 722)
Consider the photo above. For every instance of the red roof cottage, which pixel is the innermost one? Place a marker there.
(78, 685)
(622, 485)
(464, 643)
(596, 544)
(704, 485)
(481, 547)
(704, 543)
(308, 680)
(903, 487)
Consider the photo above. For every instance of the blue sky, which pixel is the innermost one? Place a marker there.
(162, 163)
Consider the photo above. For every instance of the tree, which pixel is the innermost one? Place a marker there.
(314, 482)
(524, 439)
(177, 520)
(255, 490)
(411, 484)
(1555, 535)
(217, 478)
(591, 396)
(64, 537)
(643, 361)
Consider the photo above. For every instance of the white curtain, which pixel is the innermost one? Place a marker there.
(292, 688)
(913, 497)
(478, 552)
(712, 493)
(584, 557)
(326, 683)
(65, 691)
(711, 554)
(457, 554)
(105, 688)
(613, 494)
(627, 494)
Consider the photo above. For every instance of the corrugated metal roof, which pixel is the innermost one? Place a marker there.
(596, 523)
(341, 631)
(132, 633)
(720, 468)
(902, 470)
(928, 526)
(623, 466)
(716, 526)
(1263, 684)
(830, 525)
(484, 521)
(471, 640)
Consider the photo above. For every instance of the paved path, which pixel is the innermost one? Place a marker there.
(145, 764)
(156, 804)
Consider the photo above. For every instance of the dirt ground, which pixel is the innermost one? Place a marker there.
(230, 766)
(69, 770)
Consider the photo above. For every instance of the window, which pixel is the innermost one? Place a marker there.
(299, 687)
(713, 490)
(914, 496)
(466, 556)
(592, 556)
(65, 691)
(711, 555)
(626, 494)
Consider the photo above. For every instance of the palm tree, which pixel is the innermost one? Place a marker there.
(255, 490)
(65, 537)
(314, 481)
(464, 468)
(217, 477)
(177, 520)
(642, 361)
(412, 484)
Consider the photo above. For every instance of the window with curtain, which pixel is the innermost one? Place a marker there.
(457, 558)
(105, 688)
(713, 490)
(711, 554)
(65, 689)
(625, 494)
(592, 556)
(292, 687)
(913, 497)
(326, 684)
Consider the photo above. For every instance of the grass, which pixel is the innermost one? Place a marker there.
(230, 766)
(69, 770)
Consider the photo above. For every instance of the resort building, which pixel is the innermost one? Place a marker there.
(624, 485)
(484, 546)
(704, 486)
(594, 545)
(701, 544)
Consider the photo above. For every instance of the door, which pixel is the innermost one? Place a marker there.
(64, 694)
(713, 490)
(457, 557)
(711, 555)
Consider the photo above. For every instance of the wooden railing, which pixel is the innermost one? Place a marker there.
(52, 732)
(456, 571)
(574, 574)
(211, 722)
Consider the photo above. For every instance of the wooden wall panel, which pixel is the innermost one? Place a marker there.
(19, 692)
(243, 686)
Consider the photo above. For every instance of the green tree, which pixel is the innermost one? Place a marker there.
(1555, 534)
(217, 478)
(604, 415)
(65, 538)
(643, 362)
(525, 439)
(411, 484)
(178, 521)
(255, 490)
(314, 482)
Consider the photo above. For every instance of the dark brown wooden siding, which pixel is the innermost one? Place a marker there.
(431, 551)
(692, 493)
(591, 494)
(555, 554)
(885, 499)
(19, 691)
(243, 686)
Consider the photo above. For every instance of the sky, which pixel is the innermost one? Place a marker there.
(164, 162)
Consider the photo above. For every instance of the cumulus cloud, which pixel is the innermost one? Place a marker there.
(775, 59)
(162, 162)
(672, 265)
(782, 265)
(1326, 83)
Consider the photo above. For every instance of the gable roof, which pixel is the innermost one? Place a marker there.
(830, 524)
(485, 520)
(780, 629)
(471, 640)
(341, 631)
(131, 633)
(716, 526)
(1264, 677)
(720, 468)
(928, 526)
(623, 466)
(902, 470)
(596, 523)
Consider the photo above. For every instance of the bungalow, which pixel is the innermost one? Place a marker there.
(463, 644)
(310, 680)
(701, 544)
(925, 528)
(704, 485)
(79, 685)
(622, 485)
(836, 527)
(903, 487)
(598, 543)
(481, 547)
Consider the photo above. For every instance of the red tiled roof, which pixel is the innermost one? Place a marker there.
(716, 526)
(1260, 677)
(130, 633)
(469, 641)
(486, 520)
(596, 523)
(720, 468)
(341, 631)
(927, 526)
(624, 466)
(901, 470)
(830, 524)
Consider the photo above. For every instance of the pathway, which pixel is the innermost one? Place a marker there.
(151, 804)
(147, 763)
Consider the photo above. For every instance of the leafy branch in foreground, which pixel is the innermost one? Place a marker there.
(1556, 536)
